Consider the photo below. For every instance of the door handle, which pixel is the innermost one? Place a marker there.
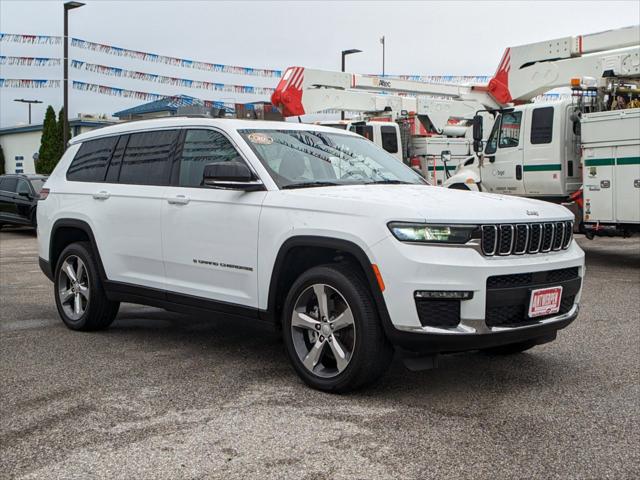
(178, 200)
(101, 195)
(518, 172)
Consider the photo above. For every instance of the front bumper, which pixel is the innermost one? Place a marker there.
(407, 269)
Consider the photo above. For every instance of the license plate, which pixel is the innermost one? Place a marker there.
(545, 301)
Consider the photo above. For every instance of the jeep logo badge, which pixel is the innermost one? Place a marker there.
(533, 213)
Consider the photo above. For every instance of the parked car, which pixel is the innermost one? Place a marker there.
(19, 198)
(316, 230)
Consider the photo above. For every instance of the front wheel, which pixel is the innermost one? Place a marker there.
(332, 332)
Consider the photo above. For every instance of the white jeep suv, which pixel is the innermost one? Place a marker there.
(310, 228)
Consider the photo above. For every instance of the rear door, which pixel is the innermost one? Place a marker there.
(210, 235)
(24, 200)
(502, 169)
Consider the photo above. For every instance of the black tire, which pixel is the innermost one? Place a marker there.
(99, 312)
(459, 186)
(512, 348)
(372, 353)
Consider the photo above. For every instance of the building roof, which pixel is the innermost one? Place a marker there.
(166, 104)
(74, 122)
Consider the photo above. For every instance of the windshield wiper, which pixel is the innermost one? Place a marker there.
(309, 184)
(389, 182)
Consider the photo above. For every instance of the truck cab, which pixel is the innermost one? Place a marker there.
(532, 150)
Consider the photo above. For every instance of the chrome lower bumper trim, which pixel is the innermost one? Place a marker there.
(478, 326)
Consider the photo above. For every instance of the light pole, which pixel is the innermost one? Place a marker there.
(383, 45)
(344, 54)
(65, 103)
(28, 102)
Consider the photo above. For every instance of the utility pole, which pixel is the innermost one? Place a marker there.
(382, 42)
(28, 102)
(344, 54)
(65, 103)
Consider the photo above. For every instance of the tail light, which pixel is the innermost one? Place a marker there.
(44, 193)
(415, 162)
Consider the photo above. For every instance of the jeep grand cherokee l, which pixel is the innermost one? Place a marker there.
(316, 230)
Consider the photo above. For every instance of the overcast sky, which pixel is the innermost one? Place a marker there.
(456, 38)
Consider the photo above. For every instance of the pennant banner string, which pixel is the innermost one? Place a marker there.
(147, 96)
(30, 61)
(180, 82)
(28, 83)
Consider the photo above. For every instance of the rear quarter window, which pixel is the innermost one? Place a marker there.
(91, 160)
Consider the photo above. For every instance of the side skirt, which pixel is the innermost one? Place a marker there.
(177, 302)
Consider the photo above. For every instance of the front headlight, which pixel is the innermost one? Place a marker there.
(431, 233)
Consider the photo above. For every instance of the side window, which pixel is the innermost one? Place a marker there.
(389, 139)
(542, 125)
(510, 130)
(9, 184)
(365, 130)
(202, 147)
(90, 163)
(147, 157)
(23, 187)
(116, 159)
(492, 142)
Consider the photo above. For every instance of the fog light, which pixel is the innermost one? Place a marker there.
(445, 294)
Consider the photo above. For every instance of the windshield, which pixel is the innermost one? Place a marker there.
(299, 158)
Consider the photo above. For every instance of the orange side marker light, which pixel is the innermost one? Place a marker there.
(376, 271)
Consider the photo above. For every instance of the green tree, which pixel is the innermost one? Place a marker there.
(2, 170)
(62, 142)
(49, 152)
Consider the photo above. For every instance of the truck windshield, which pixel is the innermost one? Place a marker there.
(301, 158)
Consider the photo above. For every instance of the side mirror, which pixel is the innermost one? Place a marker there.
(232, 175)
(25, 194)
(477, 128)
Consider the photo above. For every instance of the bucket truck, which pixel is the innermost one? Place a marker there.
(533, 149)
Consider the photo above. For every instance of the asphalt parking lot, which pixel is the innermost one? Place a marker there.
(160, 395)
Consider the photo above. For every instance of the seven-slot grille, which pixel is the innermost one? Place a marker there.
(521, 238)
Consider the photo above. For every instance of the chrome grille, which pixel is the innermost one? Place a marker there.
(522, 238)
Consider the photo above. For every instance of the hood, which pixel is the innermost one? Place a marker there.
(424, 204)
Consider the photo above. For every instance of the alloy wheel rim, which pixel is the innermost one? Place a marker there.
(323, 330)
(73, 287)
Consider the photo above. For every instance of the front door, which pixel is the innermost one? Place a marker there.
(210, 235)
(502, 169)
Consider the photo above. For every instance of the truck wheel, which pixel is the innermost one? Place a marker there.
(332, 332)
(80, 298)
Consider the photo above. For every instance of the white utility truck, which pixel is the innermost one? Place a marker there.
(533, 150)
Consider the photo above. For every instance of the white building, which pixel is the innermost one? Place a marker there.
(20, 144)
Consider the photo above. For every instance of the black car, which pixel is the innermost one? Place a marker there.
(19, 196)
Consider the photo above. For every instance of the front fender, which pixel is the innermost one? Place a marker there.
(470, 178)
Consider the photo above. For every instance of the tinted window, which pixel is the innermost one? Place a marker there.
(90, 163)
(510, 129)
(37, 184)
(389, 139)
(365, 130)
(9, 184)
(542, 125)
(23, 186)
(116, 160)
(202, 147)
(146, 158)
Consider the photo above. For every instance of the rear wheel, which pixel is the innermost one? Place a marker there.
(80, 297)
(332, 332)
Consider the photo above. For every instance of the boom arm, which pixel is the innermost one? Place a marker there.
(529, 70)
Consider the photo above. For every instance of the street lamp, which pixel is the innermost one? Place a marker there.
(344, 54)
(29, 102)
(65, 104)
